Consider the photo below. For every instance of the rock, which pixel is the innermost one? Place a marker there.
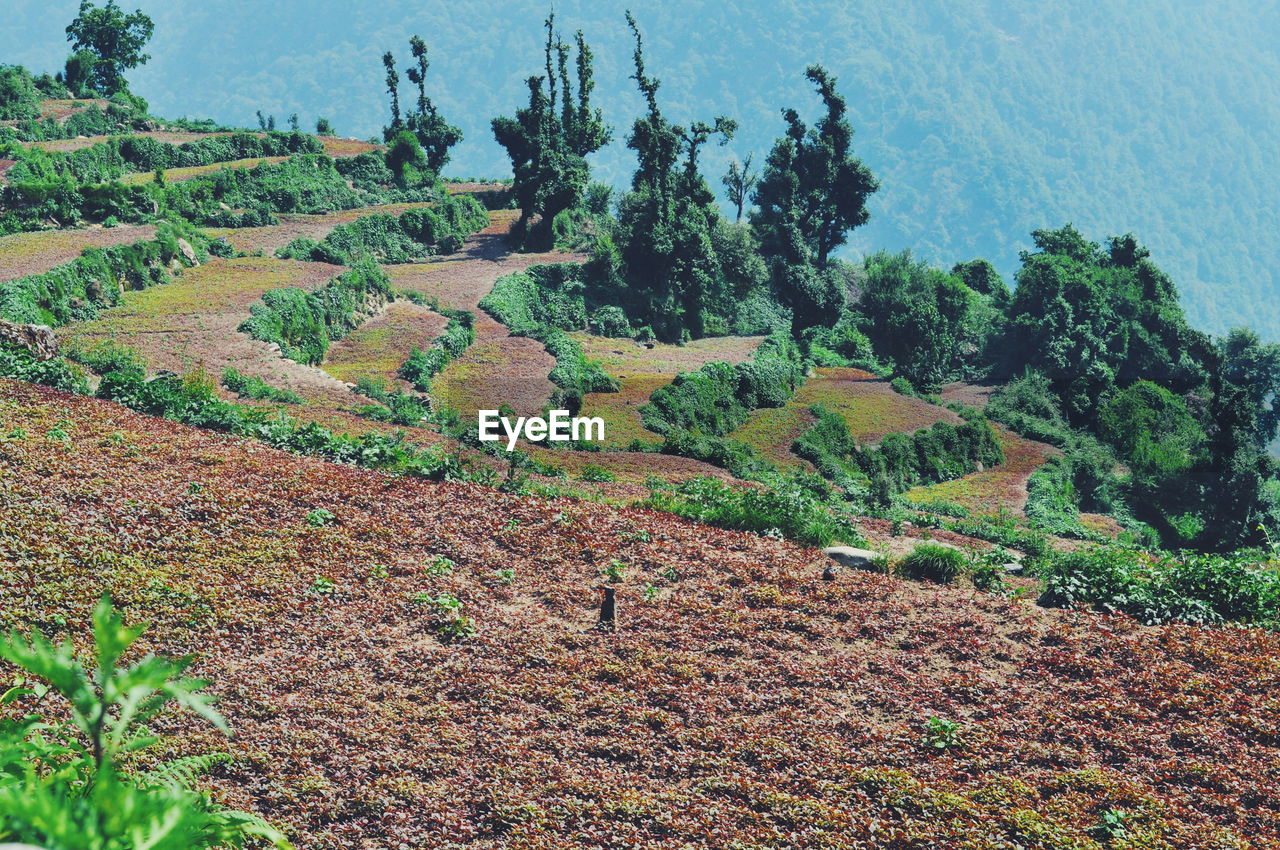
(38, 339)
(1013, 568)
(188, 253)
(847, 556)
(829, 574)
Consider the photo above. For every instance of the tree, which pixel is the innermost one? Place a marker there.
(114, 39)
(667, 219)
(406, 158)
(434, 134)
(548, 146)
(812, 193)
(812, 179)
(738, 182)
(293, 122)
(324, 127)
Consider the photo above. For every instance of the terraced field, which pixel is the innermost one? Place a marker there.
(1001, 486)
(333, 146)
(178, 175)
(868, 405)
(498, 368)
(378, 347)
(641, 369)
(293, 226)
(22, 254)
(192, 322)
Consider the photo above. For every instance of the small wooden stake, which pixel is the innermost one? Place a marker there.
(608, 609)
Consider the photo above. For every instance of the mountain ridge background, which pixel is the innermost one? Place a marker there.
(983, 120)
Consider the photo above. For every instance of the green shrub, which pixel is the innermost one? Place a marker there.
(303, 323)
(1205, 589)
(396, 239)
(18, 362)
(717, 398)
(790, 509)
(935, 563)
(246, 386)
(66, 784)
(77, 290)
(591, 472)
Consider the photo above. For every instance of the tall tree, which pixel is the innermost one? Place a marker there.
(667, 219)
(548, 146)
(812, 179)
(738, 181)
(812, 193)
(435, 134)
(115, 41)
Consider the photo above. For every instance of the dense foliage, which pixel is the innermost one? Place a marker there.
(409, 236)
(303, 323)
(900, 461)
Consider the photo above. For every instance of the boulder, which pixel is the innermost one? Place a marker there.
(848, 556)
(38, 339)
(188, 253)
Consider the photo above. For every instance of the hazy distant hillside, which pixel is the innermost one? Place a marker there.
(984, 120)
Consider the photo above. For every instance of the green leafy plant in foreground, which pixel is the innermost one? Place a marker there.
(62, 785)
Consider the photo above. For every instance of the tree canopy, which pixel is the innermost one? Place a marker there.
(113, 39)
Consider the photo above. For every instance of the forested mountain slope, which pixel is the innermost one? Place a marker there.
(983, 120)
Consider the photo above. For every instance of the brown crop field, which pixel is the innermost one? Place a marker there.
(333, 146)
(378, 347)
(741, 700)
(23, 254)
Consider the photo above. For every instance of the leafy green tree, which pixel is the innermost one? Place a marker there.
(435, 134)
(1153, 430)
(812, 181)
(739, 181)
(812, 193)
(1093, 320)
(324, 127)
(982, 277)
(406, 158)
(115, 41)
(920, 319)
(19, 99)
(1254, 367)
(548, 142)
(665, 222)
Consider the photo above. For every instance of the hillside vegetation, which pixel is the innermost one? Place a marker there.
(240, 371)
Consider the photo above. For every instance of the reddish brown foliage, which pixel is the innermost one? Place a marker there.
(748, 703)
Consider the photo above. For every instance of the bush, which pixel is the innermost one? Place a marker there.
(395, 239)
(77, 290)
(1204, 589)
(303, 323)
(790, 509)
(591, 472)
(935, 563)
(246, 386)
(717, 398)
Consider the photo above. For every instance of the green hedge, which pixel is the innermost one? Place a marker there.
(717, 398)
(423, 365)
(396, 239)
(303, 323)
(941, 452)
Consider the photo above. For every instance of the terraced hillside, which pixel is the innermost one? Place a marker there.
(742, 702)
(39, 251)
(868, 405)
